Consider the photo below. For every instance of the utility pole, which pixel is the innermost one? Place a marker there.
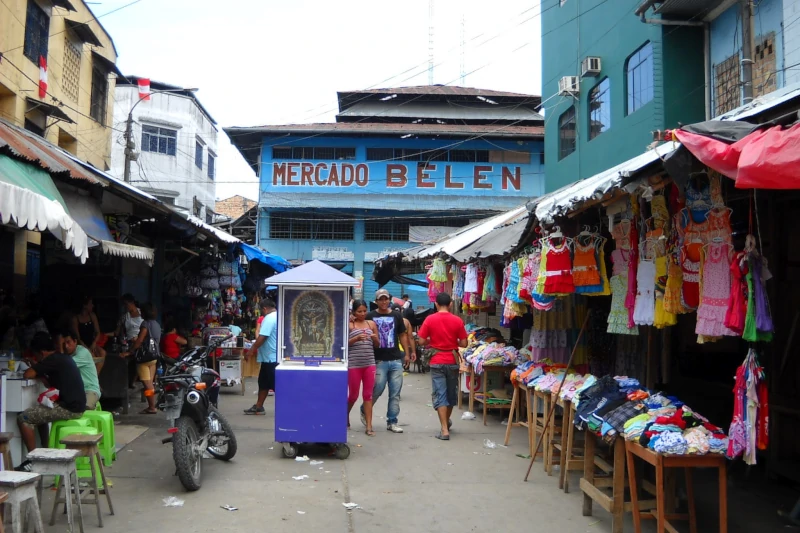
(129, 145)
(748, 45)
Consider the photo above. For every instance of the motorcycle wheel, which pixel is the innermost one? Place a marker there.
(188, 461)
(217, 422)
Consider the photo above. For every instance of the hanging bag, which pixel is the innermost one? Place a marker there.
(148, 351)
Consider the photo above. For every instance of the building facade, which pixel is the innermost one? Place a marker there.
(57, 75)
(175, 140)
(614, 72)
(398, 167)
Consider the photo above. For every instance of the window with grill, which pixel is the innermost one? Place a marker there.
(566, 133)
(159, 140)
(310, 227)
(212, 161)
(600, 108)
(71, 76)
(99, 104)
(386, 230)
(198, 155)
(639, 71)
(281, 152)
(37, 32)
(727, 92)
(380, 154)
(318, 152)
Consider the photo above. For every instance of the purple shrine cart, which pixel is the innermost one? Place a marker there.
(311, 378)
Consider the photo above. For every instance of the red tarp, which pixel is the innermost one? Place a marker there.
(765, 159)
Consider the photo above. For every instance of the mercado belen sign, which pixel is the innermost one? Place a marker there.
(397, 176)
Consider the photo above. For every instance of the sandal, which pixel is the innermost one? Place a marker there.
(370, 433)
(442, 437)
(147, 412)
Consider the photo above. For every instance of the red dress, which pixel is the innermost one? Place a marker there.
(559, 271)
(690, 290)
(737, 306)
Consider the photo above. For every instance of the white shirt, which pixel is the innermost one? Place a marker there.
(132, 325)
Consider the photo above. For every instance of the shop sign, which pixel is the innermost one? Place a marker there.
(332, 253)
(420, 177)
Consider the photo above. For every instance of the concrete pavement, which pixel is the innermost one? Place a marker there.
(403, 483)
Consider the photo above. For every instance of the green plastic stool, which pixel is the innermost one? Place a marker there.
(59, 425)
(82, 463)
(97, 407)
(103, 422)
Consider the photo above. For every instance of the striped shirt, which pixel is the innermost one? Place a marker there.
(361, 353)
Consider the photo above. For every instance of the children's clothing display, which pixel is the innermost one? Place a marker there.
(558, 273)
(644, 310)
(716, 292)
(618, 315)
(585, 273)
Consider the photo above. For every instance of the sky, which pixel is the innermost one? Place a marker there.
(260, 62)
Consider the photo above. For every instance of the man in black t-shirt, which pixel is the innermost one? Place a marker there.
(388, 357)
(59, 371)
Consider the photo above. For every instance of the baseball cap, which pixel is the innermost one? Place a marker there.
(380, 293)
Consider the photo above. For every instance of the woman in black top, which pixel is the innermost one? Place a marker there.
(86, 325)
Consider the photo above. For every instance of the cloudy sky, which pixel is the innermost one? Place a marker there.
(281, 62)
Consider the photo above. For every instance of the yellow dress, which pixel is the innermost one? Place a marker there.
(662, 317)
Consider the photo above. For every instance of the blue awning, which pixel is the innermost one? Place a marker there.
(86, 212)
(276, 262)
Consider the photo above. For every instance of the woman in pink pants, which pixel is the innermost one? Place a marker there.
(361, 362)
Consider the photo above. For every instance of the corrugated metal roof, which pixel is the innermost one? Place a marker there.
(389, 202)
(377, 128)
(510, 112)
(566, 198)
(451, 90)
(34, 149)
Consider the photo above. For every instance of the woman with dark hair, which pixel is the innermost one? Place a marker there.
(147, 370)
(363, 339)
(86, 325)
(172, 342)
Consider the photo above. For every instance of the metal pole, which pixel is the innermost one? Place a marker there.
(129, 145)
(748, 45)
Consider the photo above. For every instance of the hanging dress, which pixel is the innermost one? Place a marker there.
(716, 292)
(606, 286)
(618, 315)
(673, 302)
(690, 267)
(644, 308)
(559, 278)
(471, 280)
(737, 303)
(585, 273)
(663, 318)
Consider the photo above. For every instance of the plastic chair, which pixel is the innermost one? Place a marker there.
(97, 407)
(103, 421)
(57, 426)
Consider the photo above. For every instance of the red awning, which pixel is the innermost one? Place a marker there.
(764, 159)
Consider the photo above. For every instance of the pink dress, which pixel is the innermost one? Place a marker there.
(716, 293)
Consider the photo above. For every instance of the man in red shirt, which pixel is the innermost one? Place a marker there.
(445, 333)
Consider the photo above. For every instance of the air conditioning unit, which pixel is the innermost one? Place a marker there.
(568, 86)
(590, 66)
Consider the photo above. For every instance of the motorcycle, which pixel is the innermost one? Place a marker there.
(187, 393)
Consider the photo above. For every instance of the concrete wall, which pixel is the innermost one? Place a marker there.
(791, 41)
(160, 174)
(86, 138)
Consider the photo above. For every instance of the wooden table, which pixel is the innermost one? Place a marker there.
(688, 462)
(569, 460)
(515, 418)
(596, 488)
(487, 369)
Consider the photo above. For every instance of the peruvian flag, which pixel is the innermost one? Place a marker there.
(42, 77)
(144, 89)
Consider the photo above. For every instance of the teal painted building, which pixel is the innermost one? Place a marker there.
(651, 77)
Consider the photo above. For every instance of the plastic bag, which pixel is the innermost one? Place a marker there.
(467, 416)
(489, 444)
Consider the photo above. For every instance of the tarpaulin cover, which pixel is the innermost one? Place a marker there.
(765, 159)
(277, 263)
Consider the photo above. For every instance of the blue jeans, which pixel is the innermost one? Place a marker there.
(390, 372)
(444, 381)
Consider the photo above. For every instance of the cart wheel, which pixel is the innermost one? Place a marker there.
(342, 451)
(289, 450)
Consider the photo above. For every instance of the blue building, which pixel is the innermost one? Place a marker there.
(400, 166)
